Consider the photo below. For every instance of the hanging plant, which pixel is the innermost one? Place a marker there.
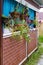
(24, 31)
(22, 27)
(17, 7)
(35, 22)
(25, 11)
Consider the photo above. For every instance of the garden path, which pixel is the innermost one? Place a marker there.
(40, 62)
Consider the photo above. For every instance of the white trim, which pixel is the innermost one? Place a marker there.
(31, 6)
(5, 35)
(26, 49)
(33, 29)
(28, 5)
(22, 60)
(32, 51)
(26, 57)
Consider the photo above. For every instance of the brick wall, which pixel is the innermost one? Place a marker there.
(14, 51)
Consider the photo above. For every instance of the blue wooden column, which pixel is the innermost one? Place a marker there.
(8, 6)
(31, 14)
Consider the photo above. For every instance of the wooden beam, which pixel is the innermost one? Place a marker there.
(33, 3)
(0, 32)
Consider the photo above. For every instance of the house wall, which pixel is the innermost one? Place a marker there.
(39, 17)
(9, 6)
(14, 51)
(41, 29)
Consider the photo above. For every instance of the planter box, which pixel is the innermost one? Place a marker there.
(14, 51)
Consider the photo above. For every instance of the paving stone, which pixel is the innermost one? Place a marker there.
(40, 62)
(42, 56)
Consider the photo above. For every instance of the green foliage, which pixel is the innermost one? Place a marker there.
(35, 22)
(16, 24)
(33, 59)
(24, 30)
(41, 39)
(25, 11)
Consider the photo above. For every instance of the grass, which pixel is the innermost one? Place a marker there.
(41, 39)
(33, 59)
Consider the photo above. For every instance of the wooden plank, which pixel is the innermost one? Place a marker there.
(0, 32)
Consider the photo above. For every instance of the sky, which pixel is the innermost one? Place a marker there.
(41, 10)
